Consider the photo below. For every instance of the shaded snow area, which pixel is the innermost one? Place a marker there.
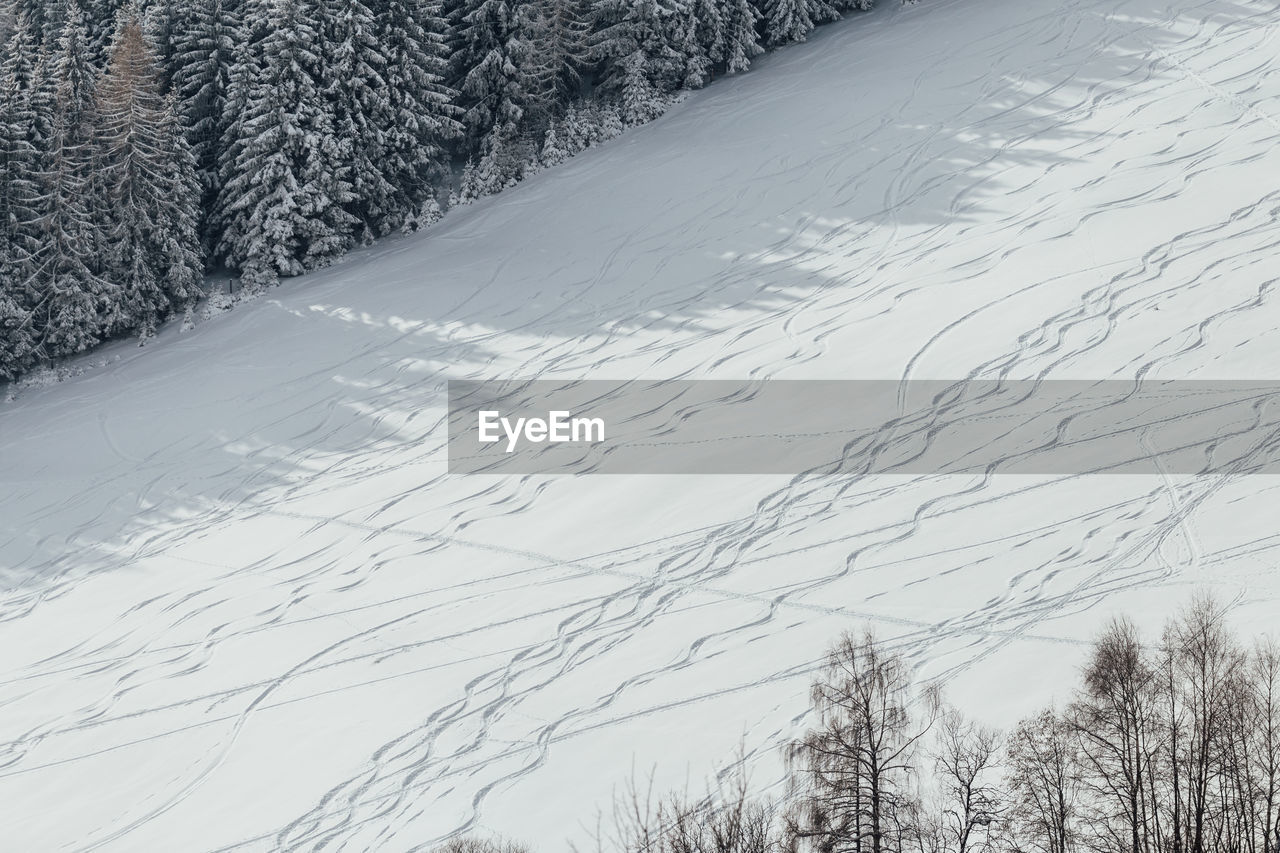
(245, 608)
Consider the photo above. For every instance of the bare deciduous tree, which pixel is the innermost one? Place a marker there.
(1044, 784)
(964, 761)
(475, 844)
(1264, 683)
(853, 769)
(1205, 671)
(726, 821)
(1118, 726)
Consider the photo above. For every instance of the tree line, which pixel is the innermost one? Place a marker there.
(1171, 746)
(145, 142)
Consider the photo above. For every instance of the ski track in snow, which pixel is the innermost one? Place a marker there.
(243, 608)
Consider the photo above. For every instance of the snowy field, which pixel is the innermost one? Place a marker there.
(243, 607)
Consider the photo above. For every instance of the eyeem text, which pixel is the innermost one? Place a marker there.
(557, 428)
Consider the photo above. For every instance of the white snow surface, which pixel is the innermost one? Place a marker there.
(243, 606)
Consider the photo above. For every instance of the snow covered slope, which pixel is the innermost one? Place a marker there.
(244, 608)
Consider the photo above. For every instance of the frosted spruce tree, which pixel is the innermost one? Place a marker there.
(641, 100)
(52, 16)
(101, 21)
(559, 34)
(496, 53)
(518, 65)
(643, 48)
(76, 79)
(39, 18)
(72, 307)
(24, 132)
(204, 53)
(459, 55)
(48, 258)
(282, 204)
(553, 150)
(498, 95)
(572, 132)
(152, 250)
(77, 83)
(621, 28)
(19, 236)
(16, 341)
(501, 165)
(788, 21)
(8, 23)
(351, 84)
(421, 110)
(697, 65)
(709, 29)
(740, 44)
(243, 80)
(164, 22)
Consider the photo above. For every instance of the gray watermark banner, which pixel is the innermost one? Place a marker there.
(864, 427)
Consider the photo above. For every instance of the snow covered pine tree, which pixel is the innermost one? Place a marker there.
(152, 250)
